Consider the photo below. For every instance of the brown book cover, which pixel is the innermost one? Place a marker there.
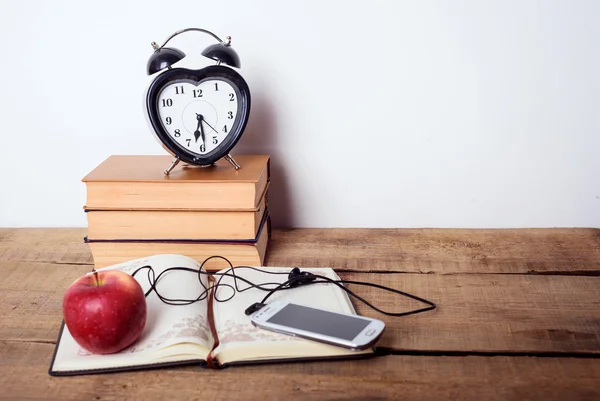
(175, 224)
(252, 252)
(130, 182)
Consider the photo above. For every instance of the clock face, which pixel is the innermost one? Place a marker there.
(198, 115)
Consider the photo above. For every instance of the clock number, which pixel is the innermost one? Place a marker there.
(179, 90)
(169, 121)
(215, 140)
(224, 129)
(167, 102)
(231, 97)
(177, 133)
(188, 141)
(202, 148)
(230, 115)
(197, 92)
(216, 86)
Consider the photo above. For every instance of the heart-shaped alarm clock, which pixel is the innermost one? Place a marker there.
(198, 115)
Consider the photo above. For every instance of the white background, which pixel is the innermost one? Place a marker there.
(376, 113)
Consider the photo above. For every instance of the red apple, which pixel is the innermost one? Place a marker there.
(105, 311)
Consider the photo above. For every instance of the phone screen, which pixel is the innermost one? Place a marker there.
(319, 321)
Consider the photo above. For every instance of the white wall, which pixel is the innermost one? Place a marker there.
(376, 113)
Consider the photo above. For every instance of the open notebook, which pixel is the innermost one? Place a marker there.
(183, 334)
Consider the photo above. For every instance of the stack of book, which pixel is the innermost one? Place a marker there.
(134, 210)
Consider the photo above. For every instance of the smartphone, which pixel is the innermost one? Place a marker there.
(344, 330)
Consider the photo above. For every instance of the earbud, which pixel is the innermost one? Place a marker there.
(297, 278)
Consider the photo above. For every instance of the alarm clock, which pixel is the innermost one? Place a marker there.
(198, 115)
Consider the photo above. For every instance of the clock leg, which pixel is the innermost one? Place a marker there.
(172, 166)
(233, 162)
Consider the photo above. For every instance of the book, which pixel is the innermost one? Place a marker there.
(175, 224)
(239, 252)
(130, 182)
(183, 334)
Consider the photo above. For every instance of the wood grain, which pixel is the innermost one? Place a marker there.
(23, 376)
(447, 251)
(572, 251)
(488, 313)
(477, 313)
(518, 318)
(31, 299)
(45, 245)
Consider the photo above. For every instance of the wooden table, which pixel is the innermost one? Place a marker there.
(518, 318)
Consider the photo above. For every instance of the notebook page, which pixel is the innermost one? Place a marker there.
(166, 325)
(235, 328)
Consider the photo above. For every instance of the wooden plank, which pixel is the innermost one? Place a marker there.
(23, 375)
(547, 251)
(489, 313)
(441, 250)
(45, 245)
(31, 298)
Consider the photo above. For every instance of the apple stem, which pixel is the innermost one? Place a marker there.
(96, 277)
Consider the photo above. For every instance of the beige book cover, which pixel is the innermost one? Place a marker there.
(138, 182)
(175, 224)
(252, 252)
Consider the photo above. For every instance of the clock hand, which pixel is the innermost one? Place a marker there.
(202, 129)
(197, 132)
(209, 125)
